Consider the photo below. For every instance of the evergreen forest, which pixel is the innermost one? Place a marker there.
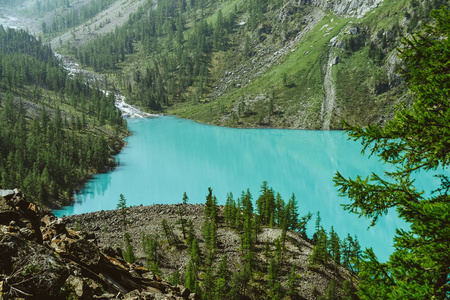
(263, 268)
(56, 130)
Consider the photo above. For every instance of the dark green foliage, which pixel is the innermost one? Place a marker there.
(230, 210)
(150, 244)
(122, 207)
(170, 235)
(191, 281)
(293, 283)
(212, 279)
(331, 293)
(50, 155)
(209, 285)
(266, 205)
(210, 205)
(223, 278)
(190, 234)
(334, 246)
(65, 21)
(273, 283)
(181, 212)
(417, 139)
(320, 253)
(155, 268)
(239, 282)
(180, 63)
(196, 254)
(210, 226)
(128, 254)
(348, 291)
(176, 278)
(291, 214)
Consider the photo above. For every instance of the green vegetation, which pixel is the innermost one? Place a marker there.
(231, 63)
(270, 276)
(122, 207)
(66, 20)
(56, 130)
(128, 254)
(417, 139)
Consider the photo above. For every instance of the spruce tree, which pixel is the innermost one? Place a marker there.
(128, 254)
(416, 140)
(122, 207)
(293, 283)
(181, 212)
(273, 283)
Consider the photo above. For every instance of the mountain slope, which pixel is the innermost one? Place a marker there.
(306, 64)
(249, 63)
(56, 130)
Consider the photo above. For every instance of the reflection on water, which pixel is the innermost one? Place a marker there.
(166, 157)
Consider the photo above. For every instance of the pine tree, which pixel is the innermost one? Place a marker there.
(415, 140)
(293, 283)
(273, 283)
(181, 212)
(334, 246)
(122, 207)
(190, 235)
(292, 221)
(320, 251)
(191, 281)
(128, 254)
(209, 285)
(332, 293)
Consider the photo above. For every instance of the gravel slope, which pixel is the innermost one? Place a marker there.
(109, 231)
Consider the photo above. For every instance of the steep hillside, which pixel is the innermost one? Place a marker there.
(56, 130)
(342, 65)
(243, 63)
(239, 257)
(294, 64)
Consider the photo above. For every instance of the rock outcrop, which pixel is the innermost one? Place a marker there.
(345, 7)
(42, 258)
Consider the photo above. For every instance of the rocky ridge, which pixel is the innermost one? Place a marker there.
(43, 258)
(109, 232)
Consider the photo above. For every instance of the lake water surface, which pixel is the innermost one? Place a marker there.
(166, 157)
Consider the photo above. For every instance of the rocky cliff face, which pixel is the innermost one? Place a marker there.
(345, 7)
(41, 258)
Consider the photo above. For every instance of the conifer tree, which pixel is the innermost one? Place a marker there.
(190, 235)
(293, 283)
(128, 254)
(181, 212)
(122, 207)
(320, 251)
(191, 281)
(273, 283)
(209, 285)
(331, 293)
(417, 139)
(334, 246)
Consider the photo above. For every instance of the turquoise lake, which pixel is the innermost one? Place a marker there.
(166, 157)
